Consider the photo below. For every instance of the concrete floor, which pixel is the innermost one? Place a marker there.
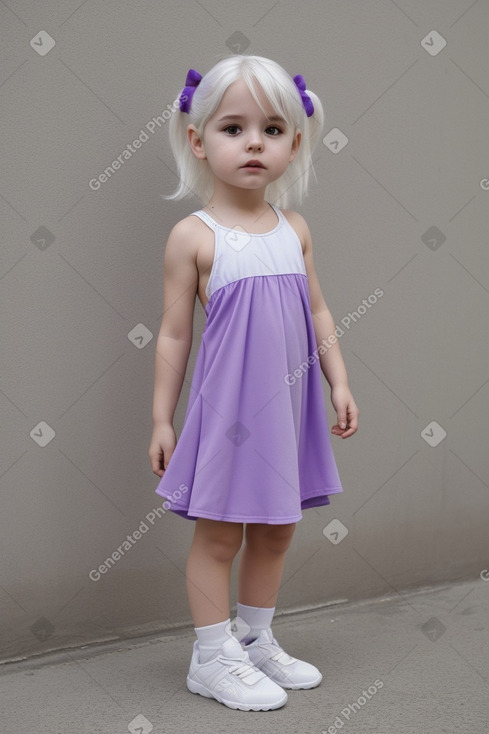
(415, 663)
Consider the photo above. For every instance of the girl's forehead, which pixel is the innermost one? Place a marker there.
(238, 96)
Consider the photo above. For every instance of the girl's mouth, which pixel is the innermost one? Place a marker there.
(253, 164)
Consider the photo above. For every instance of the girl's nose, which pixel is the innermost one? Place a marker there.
(254, 142)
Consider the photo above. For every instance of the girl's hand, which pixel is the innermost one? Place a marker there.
(346, 411)
(163, 442)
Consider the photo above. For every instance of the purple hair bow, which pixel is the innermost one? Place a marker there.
(306, 100)
(191, 83)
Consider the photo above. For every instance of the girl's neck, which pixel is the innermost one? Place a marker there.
(233, 201)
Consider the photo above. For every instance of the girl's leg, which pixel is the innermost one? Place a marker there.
(219, 667)
(214, 547)
(259, 581)
(262, 563)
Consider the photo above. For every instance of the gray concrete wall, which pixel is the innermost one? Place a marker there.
(402, 207)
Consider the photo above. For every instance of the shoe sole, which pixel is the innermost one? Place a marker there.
(297, 686)
(199, 688)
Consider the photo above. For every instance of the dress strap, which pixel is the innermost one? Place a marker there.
(214, 225)
(205, 218)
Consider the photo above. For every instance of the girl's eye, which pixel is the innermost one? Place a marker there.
(272, 130)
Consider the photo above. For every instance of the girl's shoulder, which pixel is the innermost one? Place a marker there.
(185, 240)
(294, 218)
(188, 226)
(188, 232)
(298, 223)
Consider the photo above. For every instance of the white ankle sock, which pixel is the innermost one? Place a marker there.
(211, 638)
(257, 619)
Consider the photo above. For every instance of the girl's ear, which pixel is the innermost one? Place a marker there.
(196, 143)
(295, 145)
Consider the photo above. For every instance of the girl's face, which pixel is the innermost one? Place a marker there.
(243, 146)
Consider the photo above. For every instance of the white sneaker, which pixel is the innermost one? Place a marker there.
(288, 672)
(232, 679)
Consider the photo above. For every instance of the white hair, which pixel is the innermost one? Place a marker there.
(195, 175)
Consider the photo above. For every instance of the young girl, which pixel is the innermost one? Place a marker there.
(255, 448)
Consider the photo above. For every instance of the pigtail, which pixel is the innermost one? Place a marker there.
(182, 153)
(314, 124)
(291, 189)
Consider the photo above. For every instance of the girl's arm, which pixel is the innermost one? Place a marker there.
(180, 283)
(331, 360)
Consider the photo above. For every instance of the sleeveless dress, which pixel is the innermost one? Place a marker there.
(255, 445)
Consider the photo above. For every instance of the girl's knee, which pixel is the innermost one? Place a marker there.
(272, 538)
(222, 540)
